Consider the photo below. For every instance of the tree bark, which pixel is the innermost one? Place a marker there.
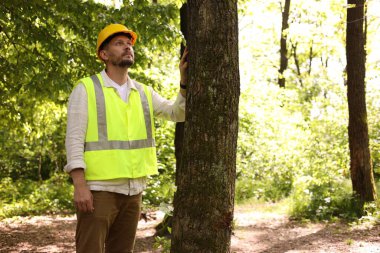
(283, 46)
(204, 201)
(297, 62)
(361, 167)
(311, 56)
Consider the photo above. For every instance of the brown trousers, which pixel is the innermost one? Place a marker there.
(111, 227)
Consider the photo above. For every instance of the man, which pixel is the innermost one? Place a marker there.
(110, 144)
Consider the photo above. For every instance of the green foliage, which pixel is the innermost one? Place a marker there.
(164, 229)
(268, 147)
(27, 197)
(162, 243)
(316, 200)
(161, 187)
(293, 142)
(39, 141)
(373, 95)
(273, 154)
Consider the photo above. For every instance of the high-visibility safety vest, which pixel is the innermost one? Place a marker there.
(120, 136)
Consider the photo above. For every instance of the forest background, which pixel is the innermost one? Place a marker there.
(293, 141)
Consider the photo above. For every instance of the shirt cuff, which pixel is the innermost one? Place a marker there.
(181, 101)
(74, 165)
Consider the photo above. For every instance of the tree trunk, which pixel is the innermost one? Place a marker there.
(283, 46)
(361, 168)
(40, 167)
(204, 201)
(297, 62)
(311, 56)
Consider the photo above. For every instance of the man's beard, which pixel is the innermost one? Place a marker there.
(123, 63)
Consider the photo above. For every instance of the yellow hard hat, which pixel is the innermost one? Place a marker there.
(111, 30)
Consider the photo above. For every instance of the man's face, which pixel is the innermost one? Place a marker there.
(119, 52)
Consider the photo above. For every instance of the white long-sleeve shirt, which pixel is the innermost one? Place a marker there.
(77, 126)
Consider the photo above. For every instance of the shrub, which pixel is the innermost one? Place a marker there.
(26, 197)
(316, 200)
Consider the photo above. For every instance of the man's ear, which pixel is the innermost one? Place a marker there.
(103, 55)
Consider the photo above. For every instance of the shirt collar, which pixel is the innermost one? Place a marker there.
(108, 82)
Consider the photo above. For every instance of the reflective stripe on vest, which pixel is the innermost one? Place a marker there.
(103, 143)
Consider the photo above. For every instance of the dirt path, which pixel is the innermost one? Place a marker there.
(266, 232)
(255, 231)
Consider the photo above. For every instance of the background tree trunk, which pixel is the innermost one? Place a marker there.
(283, 46)
(361, 166)
(204, 201)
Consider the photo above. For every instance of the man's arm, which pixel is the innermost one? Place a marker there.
(167, 109)
(82, 195)
(75, 138)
